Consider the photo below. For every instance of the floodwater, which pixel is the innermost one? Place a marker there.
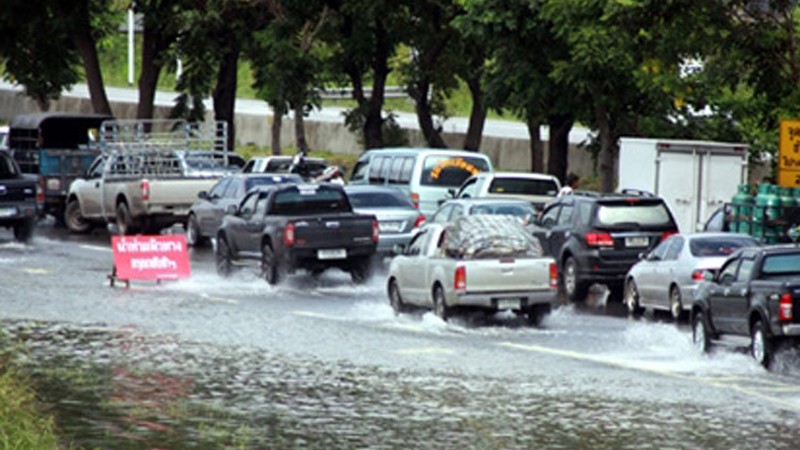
(119, 389)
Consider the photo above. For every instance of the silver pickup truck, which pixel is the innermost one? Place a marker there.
(145, 179)
(483, 262)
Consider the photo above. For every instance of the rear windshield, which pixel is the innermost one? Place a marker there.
(309, 199)
(379, 200)
(721, 246)
(523, 186)
(251, 182)
(781, 264)
(450, 171)
(637, 214)
(511, 210)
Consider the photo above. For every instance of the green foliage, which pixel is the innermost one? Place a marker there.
(23, 425)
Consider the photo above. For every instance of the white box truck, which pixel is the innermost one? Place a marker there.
(694, 177)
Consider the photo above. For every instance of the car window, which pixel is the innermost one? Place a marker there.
(441, 215)
(7, 169)
(417, 243)
(660, 252)
(408, 168)
(584, 210)
(745, 269)
(719, 246)
(360, 170)
(310, 199)
(376, 169)
(232, 190)
(674, 249)
(396, 170)
(261, 205)
(249, 166)
(219, 188)
(458, 211)
(379, 200)
(638, 213)
(469, 188)
(248, 205)
(781, 264)
(728, 272)
(448, 171)
(550, 216)
(565, 218)
(524, 186)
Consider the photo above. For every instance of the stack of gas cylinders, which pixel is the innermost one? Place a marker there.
(763, 216)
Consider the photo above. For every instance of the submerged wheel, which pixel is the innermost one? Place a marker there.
(125, 225)
(575, 289)
(270, 265)
(440, 307)
(23, 231)
(631, 298)
(701, 334)
(194, 237)
(675, 303)
(761, 345)
(74, 220)
(361, 271)
(536, 313)
(222, 258)
(394, 297)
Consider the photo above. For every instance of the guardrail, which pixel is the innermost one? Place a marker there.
(347, 93)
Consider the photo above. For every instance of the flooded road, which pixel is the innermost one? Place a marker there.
(321, 363)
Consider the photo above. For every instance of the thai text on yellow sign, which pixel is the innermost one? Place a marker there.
(789, 153)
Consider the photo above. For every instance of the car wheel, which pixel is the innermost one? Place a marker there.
(74, 220)
(361, 270)
(194, 237)
(440, 307)
(23, 231)
(701, 334)
(125, 225)
(222, 258)
(536, 313)
(394, 297)
(631, 298)
(761, 345)
(575, 289)
(675, 303)
(270, 265)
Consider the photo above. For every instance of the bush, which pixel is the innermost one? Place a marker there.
(22, 424)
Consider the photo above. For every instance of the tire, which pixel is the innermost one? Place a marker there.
(575, 289)
(194, 238)
(675, 304)
(74, 221)
(361, 271)
(762, 347)
(536, 313)
(395, 299)
(23, 231)
(270, 266)
(222, 258)
(631, 299)
(701, 333)
(125, 225)
(440, 307)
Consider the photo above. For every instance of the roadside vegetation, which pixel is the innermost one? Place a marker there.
(24, 424)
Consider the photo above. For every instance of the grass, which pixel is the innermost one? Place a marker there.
(23, 425)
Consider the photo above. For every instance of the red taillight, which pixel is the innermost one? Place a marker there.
(376, 231)
(599, 240)
(39, 195)
(288, 235)
(415, 199)
(668, 233)
(460, 282)
(698, 275)
(553, 275)
(420, 220)
(144, 186)
(785, 308)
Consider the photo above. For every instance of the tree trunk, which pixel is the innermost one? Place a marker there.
(537, 148)
(151, 69)
(373, 123)
(225, 92)
(419, 93)
(87, 49)
(558, 146)
(299, 128)
(607, 150)
(477, 115)
(277, 123)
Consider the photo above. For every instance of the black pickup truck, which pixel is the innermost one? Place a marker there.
(19, 203)
(290, 227)
(755, 295)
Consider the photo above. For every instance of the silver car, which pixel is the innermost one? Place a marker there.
(666, 278)
(453, 209)
(397, 216)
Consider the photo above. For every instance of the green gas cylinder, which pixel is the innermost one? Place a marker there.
(767, 207)
(742, 209)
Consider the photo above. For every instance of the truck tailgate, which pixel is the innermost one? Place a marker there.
(334, 231)
(508, 274)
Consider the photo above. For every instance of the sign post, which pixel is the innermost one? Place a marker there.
(789, 153)
(162, 257)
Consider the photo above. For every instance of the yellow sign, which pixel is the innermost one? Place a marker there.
(789, 154)
(458, 162)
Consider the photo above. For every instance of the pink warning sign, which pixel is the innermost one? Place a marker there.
(162, 257)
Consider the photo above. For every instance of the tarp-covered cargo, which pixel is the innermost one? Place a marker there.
(490, 236)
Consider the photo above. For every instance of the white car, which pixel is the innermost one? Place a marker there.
(666, 278)
(4, 136)
(537, 188)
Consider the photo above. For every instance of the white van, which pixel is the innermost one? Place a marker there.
(425, 174)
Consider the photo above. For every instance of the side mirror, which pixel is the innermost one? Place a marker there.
(230, 210)
(203, 195)
(643, 256)
(451, 192)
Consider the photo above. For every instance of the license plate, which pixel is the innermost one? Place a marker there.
(508, 303)
(636, 242)
(337, 253)
(390, 226)
(8, 212)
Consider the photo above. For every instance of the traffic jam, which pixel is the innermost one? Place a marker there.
(447, 232)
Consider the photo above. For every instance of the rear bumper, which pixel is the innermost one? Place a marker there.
(595, 269)
(307, 258)
(13, 213)
(791, 329)
(492, 300)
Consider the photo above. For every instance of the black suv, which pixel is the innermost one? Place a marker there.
(596, 238)
(19, 206)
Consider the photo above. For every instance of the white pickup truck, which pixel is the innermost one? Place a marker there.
(147, 177)
(484, 262)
